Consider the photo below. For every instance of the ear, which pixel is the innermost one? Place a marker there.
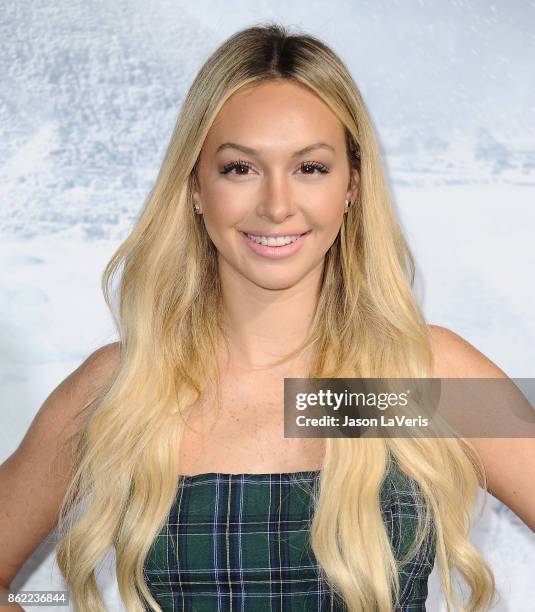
(195, 191)
(354, 184)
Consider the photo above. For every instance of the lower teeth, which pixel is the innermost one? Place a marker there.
(273, 246)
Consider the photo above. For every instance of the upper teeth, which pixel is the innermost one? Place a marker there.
(272, 241)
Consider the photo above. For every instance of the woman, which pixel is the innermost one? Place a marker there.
(180, 458)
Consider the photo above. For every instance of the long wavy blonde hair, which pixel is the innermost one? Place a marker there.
(367, 324)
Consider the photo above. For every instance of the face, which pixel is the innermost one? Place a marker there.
(264, 182)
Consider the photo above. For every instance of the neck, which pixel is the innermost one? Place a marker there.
(261, 324)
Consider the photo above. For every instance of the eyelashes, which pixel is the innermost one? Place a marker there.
(244, 165)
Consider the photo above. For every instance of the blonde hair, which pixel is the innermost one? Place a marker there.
(367, 324)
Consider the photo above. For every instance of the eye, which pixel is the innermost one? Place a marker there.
(315, 166)
(243, 167)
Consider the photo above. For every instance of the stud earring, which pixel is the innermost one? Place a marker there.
(196, 207)
(347, 204)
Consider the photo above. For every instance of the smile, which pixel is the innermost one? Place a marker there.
(275, 247)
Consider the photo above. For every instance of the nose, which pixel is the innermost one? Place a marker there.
(277, 199)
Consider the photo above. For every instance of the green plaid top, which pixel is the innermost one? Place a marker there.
(239, 543)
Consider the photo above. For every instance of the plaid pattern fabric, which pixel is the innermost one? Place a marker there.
(239, 543)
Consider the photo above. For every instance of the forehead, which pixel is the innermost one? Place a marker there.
(275, 115)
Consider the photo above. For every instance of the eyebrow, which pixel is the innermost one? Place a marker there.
(249, 151)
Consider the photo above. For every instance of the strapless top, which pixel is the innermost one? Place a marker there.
(240, 542)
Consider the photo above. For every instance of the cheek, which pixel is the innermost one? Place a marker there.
(325, 203)
(331, 214)
(326, 215)
(222, 210)
(221, 217)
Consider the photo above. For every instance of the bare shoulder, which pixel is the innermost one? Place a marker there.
(34, 479)
(87, 382)
(509, 462)
(456, 357)
(67, 400)
(97, 369)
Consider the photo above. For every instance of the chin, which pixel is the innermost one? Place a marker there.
(277, 281)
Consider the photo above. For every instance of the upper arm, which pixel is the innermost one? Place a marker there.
(34, 479)
(509, 462)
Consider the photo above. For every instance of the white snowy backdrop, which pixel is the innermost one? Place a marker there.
(89, 94)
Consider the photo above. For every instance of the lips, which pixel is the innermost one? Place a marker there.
(275, 234)
(276, 252)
